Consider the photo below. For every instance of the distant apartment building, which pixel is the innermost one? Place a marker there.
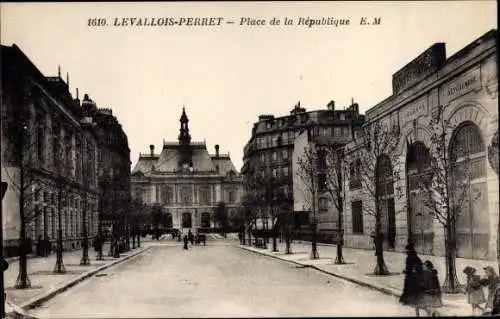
(270, 151)
(113, 169)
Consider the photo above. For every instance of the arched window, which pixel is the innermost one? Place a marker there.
(167, 194)
(385, 187)
(167, 220)
(419, 217)
(469, 191)
(205, 220)
(186, 220)
(355, 174)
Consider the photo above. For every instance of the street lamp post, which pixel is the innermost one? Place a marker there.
(85, 261)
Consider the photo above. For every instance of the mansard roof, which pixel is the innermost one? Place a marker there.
(168, 160)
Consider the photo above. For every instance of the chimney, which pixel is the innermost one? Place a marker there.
(217, 150)
(331, 105)
(152, 149)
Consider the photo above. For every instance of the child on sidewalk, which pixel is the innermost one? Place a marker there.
(474, 289)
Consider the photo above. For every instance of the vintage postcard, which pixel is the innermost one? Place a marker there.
(249, 159)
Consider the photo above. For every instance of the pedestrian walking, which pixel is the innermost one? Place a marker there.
(495, 311)
(185, 242)
(413, 288)
(47, 250)
(491, 281)
(40, 246)
(191, 237)
(473, 289)
(432, 297)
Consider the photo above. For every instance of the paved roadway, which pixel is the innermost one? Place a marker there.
(218, 280)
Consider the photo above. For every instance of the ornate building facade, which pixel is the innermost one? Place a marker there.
(49, 157)
(186, 182)
(316, 139)
(269, 153)
(462, 90)
(113, 169)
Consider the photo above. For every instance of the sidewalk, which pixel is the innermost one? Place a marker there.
(360, 264)
(45, 284)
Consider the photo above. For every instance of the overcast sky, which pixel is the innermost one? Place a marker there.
(227, 75)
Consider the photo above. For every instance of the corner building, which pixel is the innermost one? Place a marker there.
(187, 182)
(466, 86)
(56, 155)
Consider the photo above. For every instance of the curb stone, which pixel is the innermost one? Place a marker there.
(37, 301)
(361, 283)
(387, 291)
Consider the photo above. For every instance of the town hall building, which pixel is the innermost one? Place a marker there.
(186, 182)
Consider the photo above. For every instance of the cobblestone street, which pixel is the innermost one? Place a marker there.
(218, 280)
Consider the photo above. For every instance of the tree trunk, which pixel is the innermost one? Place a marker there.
(288, 246)
(451, 284)
(249, 237)
(59, 267)
(133, 239)
(22, 281)
(314, 245)
(85, 261)
(274, 232)
(339, 260)
(380, 268)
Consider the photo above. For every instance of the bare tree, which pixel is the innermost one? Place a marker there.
(19, 132)
(373, 159)
(445, 187)
(249, 205)
(335, 172)
(308, 173)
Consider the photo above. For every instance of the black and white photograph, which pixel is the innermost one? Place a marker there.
(249, 159)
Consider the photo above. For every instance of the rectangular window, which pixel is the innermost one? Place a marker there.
(275, 172)
(56, 148)
(337, 131)
(342, 116)
(323, 205)
(274, 156)
(357, 217)
(285, 171)
(345, 131)
(284, 154)
(322, 182)
(40, 139)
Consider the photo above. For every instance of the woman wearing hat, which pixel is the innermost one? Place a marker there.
(473, 289)
(491, 281)
(413, 290)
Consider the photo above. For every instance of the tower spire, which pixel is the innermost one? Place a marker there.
(59, 70)
(185, 140)
(184, 137)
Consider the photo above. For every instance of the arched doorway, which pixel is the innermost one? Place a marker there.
(186, 220)
(468, 170)
(205, 220)
(385, 184)
(419, 216)
(167, 221)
